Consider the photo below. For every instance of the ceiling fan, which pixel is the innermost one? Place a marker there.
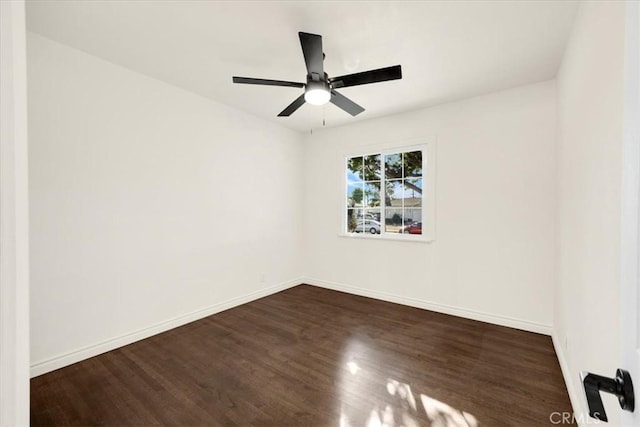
(320, 88)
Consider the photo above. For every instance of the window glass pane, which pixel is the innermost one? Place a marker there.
(372, 168)
(412, 193)
(369, 226)
(393, 166)
(412, 162)
(394, 193)
(372, 223)
(351, 220)
(393, 220)
(413, 221)
(372, 214)
(355, 194)
(372, 194)
(355, 169)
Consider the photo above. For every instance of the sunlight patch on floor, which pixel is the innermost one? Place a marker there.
(442, 415)
(399, 406)
(402, 409)
(353, 367)
(403, 391)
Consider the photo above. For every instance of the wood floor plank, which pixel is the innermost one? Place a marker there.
(313, 357)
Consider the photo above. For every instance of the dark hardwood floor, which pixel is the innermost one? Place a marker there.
(313, 357)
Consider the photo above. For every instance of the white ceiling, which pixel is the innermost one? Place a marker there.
(448, 50)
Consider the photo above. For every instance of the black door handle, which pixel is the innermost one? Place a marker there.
(621, 386)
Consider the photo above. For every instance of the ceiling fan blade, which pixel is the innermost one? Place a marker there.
(251, 81)
(345, 103)
(292, 107)
(366, 77)
(313, 56)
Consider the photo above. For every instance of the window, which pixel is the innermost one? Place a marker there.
(387, 195)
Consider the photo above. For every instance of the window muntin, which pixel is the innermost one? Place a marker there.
(385, 193)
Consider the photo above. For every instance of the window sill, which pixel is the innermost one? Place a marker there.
(388, 236)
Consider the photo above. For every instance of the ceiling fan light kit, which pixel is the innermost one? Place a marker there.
(317, 92)
(320, 89)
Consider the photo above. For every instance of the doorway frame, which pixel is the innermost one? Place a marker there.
(14, 218)
(630, 221)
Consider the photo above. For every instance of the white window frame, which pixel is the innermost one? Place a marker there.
(428, 148)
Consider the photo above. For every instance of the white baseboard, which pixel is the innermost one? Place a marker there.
(60, 361)
(524, 325)
(66, 359)
(576, 397)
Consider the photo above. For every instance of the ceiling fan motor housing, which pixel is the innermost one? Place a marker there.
(315, 82)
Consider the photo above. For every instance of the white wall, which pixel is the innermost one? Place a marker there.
(590, 135)
(14, 223)
(493, 256)
(148, 203)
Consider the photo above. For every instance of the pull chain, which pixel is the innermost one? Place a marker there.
(323, 115)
